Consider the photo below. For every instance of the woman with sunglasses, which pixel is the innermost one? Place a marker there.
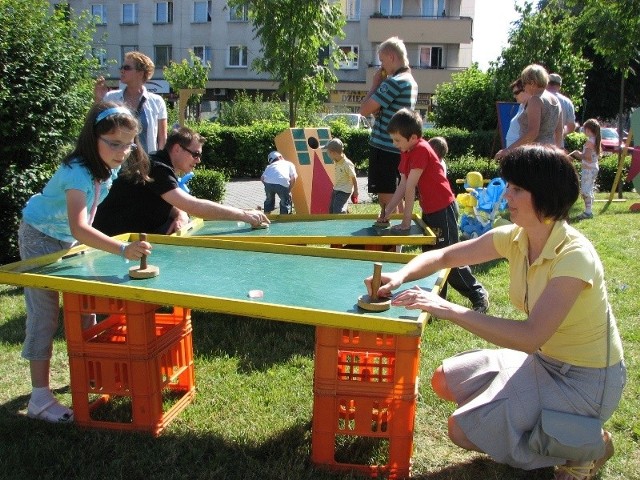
(522, 97)
(150, 108)
(541, 122)
(161, 205)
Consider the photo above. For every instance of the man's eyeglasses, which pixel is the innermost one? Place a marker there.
(196, 155)
(121, 147)
(126, 68)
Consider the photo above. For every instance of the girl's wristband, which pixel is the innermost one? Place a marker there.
(123, 247)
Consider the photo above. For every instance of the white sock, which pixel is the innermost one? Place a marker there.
(42, 395)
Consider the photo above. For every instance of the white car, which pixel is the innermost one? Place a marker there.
(353, 120)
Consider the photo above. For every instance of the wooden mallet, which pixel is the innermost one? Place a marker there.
(144, 270)
(373, 303)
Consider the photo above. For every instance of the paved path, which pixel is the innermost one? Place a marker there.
(250, 193)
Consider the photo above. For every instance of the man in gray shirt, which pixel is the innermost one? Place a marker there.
(568, 110)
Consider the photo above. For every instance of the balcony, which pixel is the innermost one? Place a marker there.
(426, 30)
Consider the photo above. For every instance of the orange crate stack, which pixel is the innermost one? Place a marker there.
(365, 389)
(133, 362)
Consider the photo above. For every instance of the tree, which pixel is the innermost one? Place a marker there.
(614, 25)
(544, 37)
(468, 101)
(190, 73)
(46, 83)
(292, 34)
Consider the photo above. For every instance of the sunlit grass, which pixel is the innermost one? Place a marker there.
(251, 418)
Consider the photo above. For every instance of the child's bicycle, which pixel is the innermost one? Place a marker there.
(481, 205)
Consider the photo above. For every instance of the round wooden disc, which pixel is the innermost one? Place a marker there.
(382, 224)
(365, 302)
(261, 226)
(140, 273)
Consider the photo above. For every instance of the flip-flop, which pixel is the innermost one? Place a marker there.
(575, 472)
(43, 413)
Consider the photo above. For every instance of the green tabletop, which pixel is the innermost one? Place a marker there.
(318, 286)
(316, 229)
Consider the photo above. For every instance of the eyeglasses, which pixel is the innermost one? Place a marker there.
(517, 92)
(126, 68)
(193, 154)
(122, 147)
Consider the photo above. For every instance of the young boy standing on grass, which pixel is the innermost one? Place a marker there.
(421, 168)
(346, 182)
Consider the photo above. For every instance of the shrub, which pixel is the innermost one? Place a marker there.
(208, 184)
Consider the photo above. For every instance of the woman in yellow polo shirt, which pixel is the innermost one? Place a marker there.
(560, 356)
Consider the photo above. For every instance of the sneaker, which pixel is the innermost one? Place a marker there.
(584, 216)
(481, 305)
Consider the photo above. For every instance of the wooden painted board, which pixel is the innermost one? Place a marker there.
(326, 229)
(315, 286)
(303, 146)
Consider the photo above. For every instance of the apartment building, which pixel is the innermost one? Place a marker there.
(438, 35)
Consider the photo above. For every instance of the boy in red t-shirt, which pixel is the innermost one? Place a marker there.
(420, 167)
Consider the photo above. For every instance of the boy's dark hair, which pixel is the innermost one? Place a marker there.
(440, 146)
(406, 122)
(86, 148)
(183, 136)
(548, 174)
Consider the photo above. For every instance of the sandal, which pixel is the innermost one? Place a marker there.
(574, 472)
(608, 453)
(43, 412)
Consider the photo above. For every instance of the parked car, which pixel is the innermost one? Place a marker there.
(611, 142)
(354, 120)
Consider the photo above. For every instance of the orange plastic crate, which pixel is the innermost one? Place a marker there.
(130, 329)
(367, 417)
(144, 381)
(365, 362)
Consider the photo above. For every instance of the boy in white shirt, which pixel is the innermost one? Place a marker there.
(278, 178)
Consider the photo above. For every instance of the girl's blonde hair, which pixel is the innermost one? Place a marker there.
(593, 125)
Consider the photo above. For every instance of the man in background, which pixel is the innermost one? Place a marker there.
(568, 110)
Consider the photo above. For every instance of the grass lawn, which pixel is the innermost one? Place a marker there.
(251, 417)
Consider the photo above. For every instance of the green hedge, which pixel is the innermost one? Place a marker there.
(208, 184)
(241, 152)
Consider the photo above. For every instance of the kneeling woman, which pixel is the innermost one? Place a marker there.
(565, 356)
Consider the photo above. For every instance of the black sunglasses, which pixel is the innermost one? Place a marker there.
(193, 154)
(517, 92)
(126, 68)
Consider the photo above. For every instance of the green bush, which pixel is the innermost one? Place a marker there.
(208, 184)
(19, 185)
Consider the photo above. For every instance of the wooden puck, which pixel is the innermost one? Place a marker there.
(365, 302)
(382, 224)
(143, 270)
(372, 302)
(260, 226)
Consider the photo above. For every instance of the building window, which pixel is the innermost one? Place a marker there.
(391, 8)
(201, 12)
(126, 49)
(162, 55)
(164, 12)
(101, 55)
(430, 57)
(351, 9)
(433, 8)
(239, 14)
(237, 56)
(351, 52)
(99, 14)
(130, 13)
(203, 53)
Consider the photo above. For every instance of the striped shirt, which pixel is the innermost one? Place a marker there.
(395, 92)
